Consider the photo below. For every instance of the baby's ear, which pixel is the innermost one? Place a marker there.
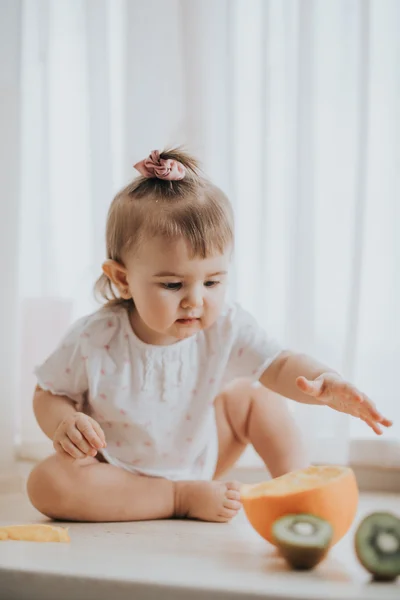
(116, 272)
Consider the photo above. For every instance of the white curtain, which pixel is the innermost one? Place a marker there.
(293, 107)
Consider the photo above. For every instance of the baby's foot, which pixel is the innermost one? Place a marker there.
(207, 500)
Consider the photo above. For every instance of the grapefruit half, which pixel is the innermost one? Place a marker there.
(327, 492)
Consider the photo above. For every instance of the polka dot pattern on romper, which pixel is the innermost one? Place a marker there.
(155, 403)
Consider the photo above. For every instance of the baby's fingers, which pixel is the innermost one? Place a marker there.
(79, 441)
(374, 413)
(86, 427)
(99, 432)
(69, 448)
(373, 425)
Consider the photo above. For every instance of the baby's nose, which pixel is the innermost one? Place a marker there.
(194, 299)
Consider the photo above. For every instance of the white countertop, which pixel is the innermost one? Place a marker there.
(175, 560)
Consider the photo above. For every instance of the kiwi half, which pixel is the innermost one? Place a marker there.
(302, 539)
(377, 545)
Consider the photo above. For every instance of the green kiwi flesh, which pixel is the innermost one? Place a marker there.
(302, 539)
(377, 545)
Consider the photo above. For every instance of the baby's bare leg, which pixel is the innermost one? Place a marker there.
(247, 414)
(88, 490)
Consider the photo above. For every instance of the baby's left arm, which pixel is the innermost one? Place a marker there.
(303, 379)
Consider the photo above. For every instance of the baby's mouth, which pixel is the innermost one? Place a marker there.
(188, 321)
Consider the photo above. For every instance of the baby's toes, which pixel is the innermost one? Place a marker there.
(232, 495)
(233, 490)
(232, 504)
(226, 514)
(233, 485)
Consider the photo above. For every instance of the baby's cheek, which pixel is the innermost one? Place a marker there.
(150, 308)
(164, 307)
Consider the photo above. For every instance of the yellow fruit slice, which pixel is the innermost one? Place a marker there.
(34, 533)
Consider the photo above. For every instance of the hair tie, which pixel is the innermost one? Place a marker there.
(162, 168)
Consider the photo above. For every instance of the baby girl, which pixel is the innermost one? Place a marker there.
(153, 397)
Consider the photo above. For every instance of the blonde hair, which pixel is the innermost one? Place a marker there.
(192, 208)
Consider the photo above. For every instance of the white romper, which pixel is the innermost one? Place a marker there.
(155, 404)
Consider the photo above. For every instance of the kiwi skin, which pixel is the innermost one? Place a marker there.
(303, 559)
(306, 555)
(378, 574)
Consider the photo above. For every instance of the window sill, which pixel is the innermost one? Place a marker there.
(375, 462)
(369, 479)
(375, 453)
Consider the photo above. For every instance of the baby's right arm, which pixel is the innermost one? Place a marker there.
(72, 432)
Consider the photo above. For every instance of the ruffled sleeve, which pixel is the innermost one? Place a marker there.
(64, 372)
(252, 350)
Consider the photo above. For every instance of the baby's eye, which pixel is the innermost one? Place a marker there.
(172, 286)
(211, 283)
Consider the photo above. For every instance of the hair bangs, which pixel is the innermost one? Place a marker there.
(204, 227)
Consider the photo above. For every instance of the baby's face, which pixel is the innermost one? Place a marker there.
(175, 295)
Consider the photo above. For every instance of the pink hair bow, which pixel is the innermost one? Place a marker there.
(162, 168)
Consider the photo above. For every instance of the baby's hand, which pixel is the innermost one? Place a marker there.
(79, 436)
(340, 395)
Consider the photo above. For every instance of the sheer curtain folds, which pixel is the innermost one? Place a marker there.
(293, 107)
